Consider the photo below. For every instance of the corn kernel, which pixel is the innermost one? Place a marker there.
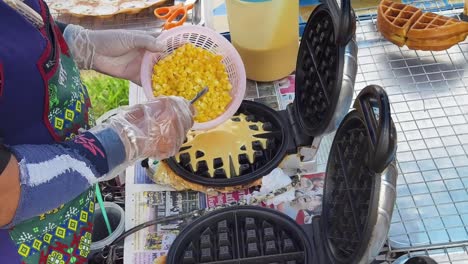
(186, 71)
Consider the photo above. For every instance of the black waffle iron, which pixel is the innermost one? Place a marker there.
(325, 73)
(359, 196)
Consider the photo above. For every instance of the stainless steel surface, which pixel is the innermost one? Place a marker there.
(429, 97)
(347, 86)
(387, 196)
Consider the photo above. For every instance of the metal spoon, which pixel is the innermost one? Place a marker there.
(199, 94)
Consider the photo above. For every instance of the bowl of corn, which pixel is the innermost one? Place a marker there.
(196, 57)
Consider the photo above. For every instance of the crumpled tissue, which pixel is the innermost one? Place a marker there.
(276, 188)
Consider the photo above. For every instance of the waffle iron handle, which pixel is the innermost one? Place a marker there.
(372, 102)
(347, 23)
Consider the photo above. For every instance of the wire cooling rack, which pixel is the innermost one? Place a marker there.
(429, 98)
(452, 255)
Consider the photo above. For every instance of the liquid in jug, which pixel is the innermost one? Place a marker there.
(266, 35)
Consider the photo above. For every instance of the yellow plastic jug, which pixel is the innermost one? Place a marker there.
(266, 35)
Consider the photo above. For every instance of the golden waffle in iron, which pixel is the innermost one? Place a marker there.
(394, 20)
(404, 24)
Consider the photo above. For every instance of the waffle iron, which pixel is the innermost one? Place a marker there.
(359, 195)
(325, 74)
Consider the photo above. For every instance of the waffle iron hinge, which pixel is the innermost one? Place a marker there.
(299, 138)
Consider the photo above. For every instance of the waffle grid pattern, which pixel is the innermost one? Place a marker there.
(351, 183)
(261, 155)
(319, 64)
(431, 20)
(404, 24)
(398, 13)
(241, 238)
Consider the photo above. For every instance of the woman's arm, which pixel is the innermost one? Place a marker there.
(9, 189)
(39, 178)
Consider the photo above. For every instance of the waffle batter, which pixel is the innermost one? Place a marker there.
(227, 141)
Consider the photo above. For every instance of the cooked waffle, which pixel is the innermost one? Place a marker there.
(433, 26)
(394, 20)
(434, 44)
(403, 24)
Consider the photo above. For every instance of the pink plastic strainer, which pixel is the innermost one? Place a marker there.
(212, 41)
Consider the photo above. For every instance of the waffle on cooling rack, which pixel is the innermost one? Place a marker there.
(394, 20)
(404, 24)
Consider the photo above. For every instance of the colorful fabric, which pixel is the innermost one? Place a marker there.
(104, 149)
(23, 48)
(63, 234)
(42, 101)
(68, 108)
(67, 175)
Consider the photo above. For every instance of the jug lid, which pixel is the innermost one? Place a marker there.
(363, 147)
(319, 68)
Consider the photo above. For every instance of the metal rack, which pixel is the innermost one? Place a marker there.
(429, 97)
(446, 255)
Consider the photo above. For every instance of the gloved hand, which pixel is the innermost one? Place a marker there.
(155, 129)
(114, 52)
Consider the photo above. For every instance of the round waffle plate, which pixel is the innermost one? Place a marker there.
(349, 199)
(319, 72)
(244, 234)
(363, 147)
(255, 156)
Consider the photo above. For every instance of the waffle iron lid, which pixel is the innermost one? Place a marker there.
(242, 234)
(319, 67)
(363, 147)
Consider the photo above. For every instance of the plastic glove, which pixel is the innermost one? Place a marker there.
(114, 52)
(154, 129)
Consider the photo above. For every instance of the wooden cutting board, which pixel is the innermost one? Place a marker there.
(104, 8)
